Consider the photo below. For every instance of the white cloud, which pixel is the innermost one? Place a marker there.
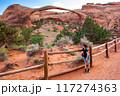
(76, 4)
(36, 6)
(58, 4)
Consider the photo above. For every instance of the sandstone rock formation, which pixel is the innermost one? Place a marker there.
(107, 15)
(22, 16)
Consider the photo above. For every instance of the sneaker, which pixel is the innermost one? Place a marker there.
(85, 70)
(88, 70)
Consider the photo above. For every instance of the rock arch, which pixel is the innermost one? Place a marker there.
(54, 7)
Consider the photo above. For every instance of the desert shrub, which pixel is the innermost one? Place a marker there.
(76, 63)
(59, 23)
(65, 49)
(52, 43)
(94, 32)
(48, 29)
(56, 13)
(8, 35)
(26, 33)
(65, 32)
(36, 38)
(63, 23)
(47, 45)
(32, 49)
(73, 53)
(58, 37)
(3, 54)
(36, 60)
(55, 29)
(77, 35)
(19, 47)
(38, 23)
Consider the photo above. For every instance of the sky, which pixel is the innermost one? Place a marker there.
(69, 4)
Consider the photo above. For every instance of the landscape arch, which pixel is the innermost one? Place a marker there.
(81, 16)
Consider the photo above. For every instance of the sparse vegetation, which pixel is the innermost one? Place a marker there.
(36, 38)
(36, 60)
(3, 54)
(94, 32)
(32, 49)
(8, 35)
(26, 33)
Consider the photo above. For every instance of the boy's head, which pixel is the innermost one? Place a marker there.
(85, 45)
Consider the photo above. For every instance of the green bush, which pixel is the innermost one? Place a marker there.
(3, 54)
(58, 37)
(36, 60)
(94, 32)
(26, 33)
(77, 35)
(8, 35)
(55, 29)
(38, 23)
(36, 38)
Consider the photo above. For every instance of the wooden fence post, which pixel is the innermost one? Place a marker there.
(90, 56)
(106, 46)
(115, 45)
(46, 65)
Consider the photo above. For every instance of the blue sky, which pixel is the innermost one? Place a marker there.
(70, 4)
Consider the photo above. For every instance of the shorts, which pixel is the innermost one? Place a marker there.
(86, 60)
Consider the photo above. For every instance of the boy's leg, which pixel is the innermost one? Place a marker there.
(88, 64)
(85, 64)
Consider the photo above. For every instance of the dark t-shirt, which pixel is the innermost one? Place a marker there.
(85, 52)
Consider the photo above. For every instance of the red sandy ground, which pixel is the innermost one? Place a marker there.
(103, 68)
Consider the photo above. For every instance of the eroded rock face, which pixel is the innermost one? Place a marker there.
(20, 15)
(23, 16)
(105, 14)
(16, 15)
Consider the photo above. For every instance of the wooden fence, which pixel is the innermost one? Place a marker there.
(46, 63)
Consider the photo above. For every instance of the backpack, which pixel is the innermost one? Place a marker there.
(82, 54)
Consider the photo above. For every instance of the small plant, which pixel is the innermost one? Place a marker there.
(36, 60)
(56, 13)
(55, 29)
(48, 29)
(59, 23)
(21, 48)
(47, 45)
(32, 49)
(3, 54)
(76, 63)
(73, 53)
(65, 49)
(58, 37)
(52, 44)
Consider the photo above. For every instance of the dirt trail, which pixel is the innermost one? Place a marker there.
(103, 69)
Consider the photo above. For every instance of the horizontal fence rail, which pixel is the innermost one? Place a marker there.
(111, 42)
(20, 70)
(99, 53)
(62, 72)
(98, 46)
(111, 46)
(61, 52)
(65, 61)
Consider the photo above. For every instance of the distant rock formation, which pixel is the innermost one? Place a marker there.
(107, 15)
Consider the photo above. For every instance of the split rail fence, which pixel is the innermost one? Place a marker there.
(46, 63)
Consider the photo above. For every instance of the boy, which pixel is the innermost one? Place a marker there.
(85, 54)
